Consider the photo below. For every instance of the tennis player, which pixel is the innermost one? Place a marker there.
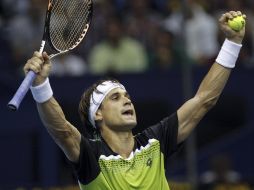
(118, 159)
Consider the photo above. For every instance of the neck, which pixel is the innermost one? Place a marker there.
(120, 142)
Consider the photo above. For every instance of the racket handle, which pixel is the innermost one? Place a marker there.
(22, 90)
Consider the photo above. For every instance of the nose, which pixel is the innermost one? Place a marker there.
(127, 100)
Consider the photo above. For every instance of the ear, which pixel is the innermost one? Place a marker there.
(98, 115)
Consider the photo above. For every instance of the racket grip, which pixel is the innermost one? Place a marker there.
(22, 90)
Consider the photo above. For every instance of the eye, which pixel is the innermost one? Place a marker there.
(115, 97)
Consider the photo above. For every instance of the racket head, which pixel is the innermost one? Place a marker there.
(68, 23)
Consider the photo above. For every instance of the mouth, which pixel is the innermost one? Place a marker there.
(129, 112)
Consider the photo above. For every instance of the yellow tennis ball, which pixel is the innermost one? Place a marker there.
(237, 23)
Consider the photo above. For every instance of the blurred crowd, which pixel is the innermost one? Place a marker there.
(132, 36)
(126, 36)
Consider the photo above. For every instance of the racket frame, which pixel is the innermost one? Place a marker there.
(30, 77)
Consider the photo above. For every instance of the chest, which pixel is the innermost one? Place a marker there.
(144, 167)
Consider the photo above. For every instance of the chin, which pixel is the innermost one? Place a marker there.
(130, 125)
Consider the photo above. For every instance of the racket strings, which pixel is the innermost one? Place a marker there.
(69, 23)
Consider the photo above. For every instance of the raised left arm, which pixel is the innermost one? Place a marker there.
(212, 85)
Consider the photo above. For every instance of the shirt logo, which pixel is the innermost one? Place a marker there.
(149, 162)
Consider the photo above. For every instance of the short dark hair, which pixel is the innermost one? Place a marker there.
(84, 106)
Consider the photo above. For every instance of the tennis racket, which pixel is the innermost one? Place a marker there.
(66, 24)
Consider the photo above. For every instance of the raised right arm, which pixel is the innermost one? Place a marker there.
(64, 134)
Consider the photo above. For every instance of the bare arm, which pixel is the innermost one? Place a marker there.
(208, 93)
(210, 89)
(65, 135)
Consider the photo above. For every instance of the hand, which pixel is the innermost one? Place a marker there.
(41, 65)
(230, 34)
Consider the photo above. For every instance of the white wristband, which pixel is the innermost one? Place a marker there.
(228, 54)
(43, 92)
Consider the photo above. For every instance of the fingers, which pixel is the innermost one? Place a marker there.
(35, 63)
(235, 14)
(224, 18)
(238, 13)
(45, 56)
(231, 29)
(37, 54)
(230, 15)
(46, 70)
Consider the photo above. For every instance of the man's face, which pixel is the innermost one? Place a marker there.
(117, 111)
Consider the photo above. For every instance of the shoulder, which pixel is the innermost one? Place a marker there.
(92, 145)
(167, 126)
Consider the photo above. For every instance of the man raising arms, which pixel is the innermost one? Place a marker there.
(118, 159)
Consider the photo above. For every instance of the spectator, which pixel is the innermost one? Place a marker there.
(69, 65)
(102, 10)
(25, 29)
(117, 53)
(163, 58)
(142, 22)
(200, 31)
